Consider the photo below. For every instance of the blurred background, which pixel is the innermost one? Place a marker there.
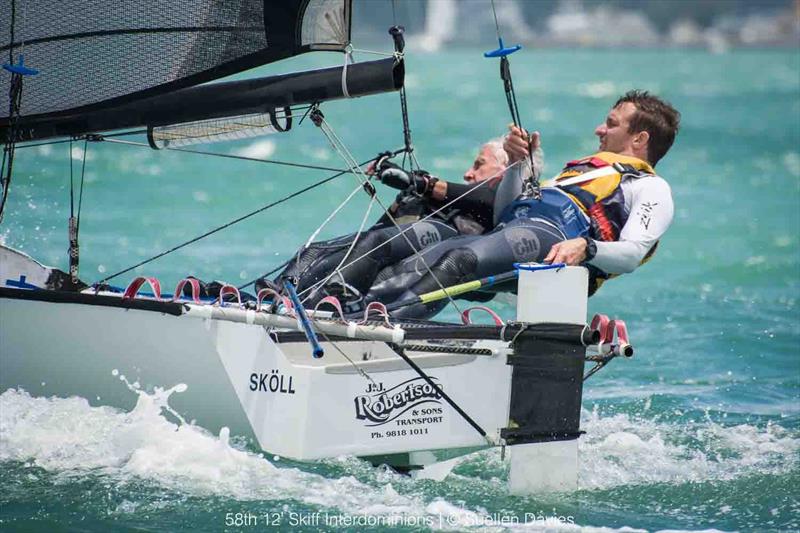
(713, 24)
(701, 429)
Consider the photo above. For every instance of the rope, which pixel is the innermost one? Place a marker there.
(352, 246)
(11, 31)
(227, 156)
(399, 350)
(354, 365)
(330, 217)
(374, 52)
(71, 185)
(348, 57)
(532, 188)
(424, 219)
(435, 348)
(83, 175)
(339, 146)
(14, 104)
(271, 272)
(227, 225)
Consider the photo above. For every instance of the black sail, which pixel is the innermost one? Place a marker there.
(99, 55)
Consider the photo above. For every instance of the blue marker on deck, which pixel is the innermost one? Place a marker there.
(22, 283)
(317, 350)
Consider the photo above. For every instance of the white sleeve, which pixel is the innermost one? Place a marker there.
(651, 211)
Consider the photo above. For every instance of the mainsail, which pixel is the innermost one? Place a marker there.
(97, 56)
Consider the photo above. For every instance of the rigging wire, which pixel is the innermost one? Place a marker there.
(11, 32)
(83, 175)
(227, 225)
(532, 188)
(331, 216)
(74, 221)
(424, 219)
(18, 71)
(341, 148)
(227, 156)
(45, 143)
(337, 271)
(327, 221)
(271, 272)
(352, 363)
(71, 184)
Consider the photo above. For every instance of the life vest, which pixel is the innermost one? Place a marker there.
(593, 183)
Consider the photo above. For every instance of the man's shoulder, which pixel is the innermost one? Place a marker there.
(649, 182)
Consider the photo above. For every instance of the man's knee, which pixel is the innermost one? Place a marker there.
(456, 265)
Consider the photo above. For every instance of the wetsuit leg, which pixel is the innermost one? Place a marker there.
(375, 249)
(396, 278)
(473, 257)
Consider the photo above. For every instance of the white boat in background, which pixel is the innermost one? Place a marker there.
(410, 395)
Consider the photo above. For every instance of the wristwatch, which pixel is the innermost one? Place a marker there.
(591, 249)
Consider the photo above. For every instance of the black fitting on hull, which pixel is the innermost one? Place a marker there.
(546, 390)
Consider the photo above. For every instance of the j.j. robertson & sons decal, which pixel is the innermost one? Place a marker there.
(415, 398)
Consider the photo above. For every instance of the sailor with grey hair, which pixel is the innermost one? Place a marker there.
(422, 196)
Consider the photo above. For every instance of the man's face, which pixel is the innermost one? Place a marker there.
(485, 166)
(613, 133)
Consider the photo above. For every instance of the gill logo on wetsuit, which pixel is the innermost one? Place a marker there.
(601, 198)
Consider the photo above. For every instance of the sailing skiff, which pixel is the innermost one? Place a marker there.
(302, 384)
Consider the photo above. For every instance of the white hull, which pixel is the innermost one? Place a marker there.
(75, 348)
(264, 383)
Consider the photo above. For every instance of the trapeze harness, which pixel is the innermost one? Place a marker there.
(586, 199)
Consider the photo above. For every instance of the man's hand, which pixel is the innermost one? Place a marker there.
(420, 182)
(518, 144)
(378, 164)
(572, 252)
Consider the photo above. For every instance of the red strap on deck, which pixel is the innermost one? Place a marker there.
(136, 284)
(276, 297)
(466, 320)
(376, 307)
(600, 323)
(334, 301)
(195, 289)
(229, 289)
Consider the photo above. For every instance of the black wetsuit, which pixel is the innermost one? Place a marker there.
(393, 272)
(382, 245)
(379, 250)
(461, 259)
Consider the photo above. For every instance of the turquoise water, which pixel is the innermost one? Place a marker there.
(700, 430)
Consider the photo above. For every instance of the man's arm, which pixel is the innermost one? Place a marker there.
(650, 216)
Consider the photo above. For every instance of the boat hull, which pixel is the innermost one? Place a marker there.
(237, 376)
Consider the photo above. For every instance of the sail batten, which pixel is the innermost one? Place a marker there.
(100, 55)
